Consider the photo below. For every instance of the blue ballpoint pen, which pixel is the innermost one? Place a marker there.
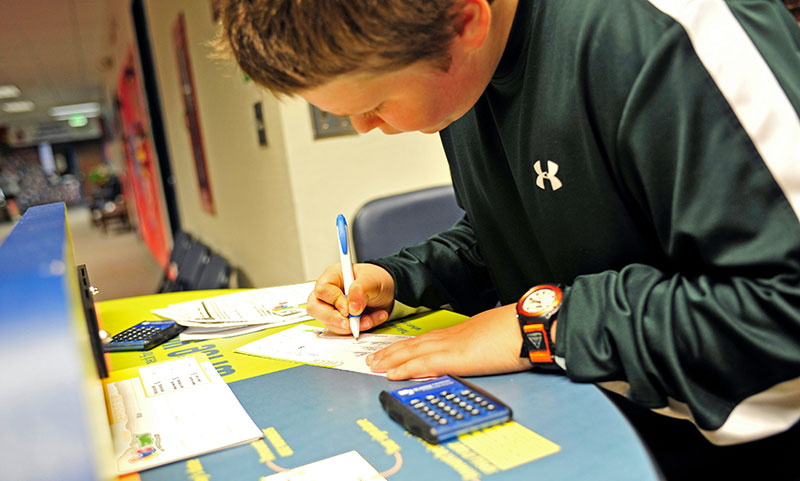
(347, 269)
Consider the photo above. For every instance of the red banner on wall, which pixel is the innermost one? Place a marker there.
(142, 176)
(191, 115)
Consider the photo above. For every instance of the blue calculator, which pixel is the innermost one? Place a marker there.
(143, 336)
(444, 408)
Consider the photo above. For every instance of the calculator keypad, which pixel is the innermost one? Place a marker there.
(446, 407)
(135, 334)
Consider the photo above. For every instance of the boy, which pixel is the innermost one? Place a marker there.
(631, 169)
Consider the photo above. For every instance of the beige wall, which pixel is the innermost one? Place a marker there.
(254, 224)
(120, 36)
(340, 174)
(275, 206)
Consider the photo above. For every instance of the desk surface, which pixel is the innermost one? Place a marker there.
(312, 413)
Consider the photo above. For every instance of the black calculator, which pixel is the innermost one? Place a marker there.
(444, 408)
(143, 336)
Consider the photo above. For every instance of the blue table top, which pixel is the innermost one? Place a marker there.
(318, 413)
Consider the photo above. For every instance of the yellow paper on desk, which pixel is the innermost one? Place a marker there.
(172, 410)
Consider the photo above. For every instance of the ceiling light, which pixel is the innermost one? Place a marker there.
(87, 109)
(18, 106)
(9, 91)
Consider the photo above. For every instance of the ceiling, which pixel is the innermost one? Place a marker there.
(54, 51)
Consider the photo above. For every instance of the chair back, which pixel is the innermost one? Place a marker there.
(384, 226)
(191, 266)
(215, 274)
(180, 246)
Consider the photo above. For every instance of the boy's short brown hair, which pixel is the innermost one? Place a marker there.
(291, 45)
(794, 7)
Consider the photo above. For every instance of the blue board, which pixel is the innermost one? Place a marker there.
(52, 419)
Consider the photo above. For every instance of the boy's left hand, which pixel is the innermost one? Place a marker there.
(488, 343)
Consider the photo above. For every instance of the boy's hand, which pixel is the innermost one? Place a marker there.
(371, 295)
(488, 343)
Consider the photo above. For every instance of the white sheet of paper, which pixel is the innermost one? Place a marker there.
(174, 410)
(313, 345)
(349, 466)
(202, 333)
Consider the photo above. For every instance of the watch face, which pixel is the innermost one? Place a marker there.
(540, 300)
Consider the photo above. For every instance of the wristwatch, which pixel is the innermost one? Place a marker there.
(536, 312)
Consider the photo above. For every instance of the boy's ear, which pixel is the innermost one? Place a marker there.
(473, 23)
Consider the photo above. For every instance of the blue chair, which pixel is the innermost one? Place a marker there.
(215, 274)
(384, 226)
(190, 267)
(181, 244)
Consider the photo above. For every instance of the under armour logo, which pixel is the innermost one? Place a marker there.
(552, 169)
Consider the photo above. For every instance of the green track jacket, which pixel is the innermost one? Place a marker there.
(646, 154)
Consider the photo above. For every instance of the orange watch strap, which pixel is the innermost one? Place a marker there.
(539, 350)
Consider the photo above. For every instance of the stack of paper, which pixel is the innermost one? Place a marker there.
(241, 312)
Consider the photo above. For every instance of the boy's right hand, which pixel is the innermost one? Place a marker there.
(371, 295)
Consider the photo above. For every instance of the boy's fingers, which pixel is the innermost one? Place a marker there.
(328, 289)
(326, 312)
(372, 319)
(356, 300)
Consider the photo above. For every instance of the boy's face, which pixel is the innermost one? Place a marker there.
(416, 98)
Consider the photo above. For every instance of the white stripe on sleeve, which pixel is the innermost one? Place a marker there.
(748, 84)
(761, 415)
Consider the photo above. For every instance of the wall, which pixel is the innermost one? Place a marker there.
(119, 38)
(340, 174)
(276, 205)
(254, 224)
(26, 135)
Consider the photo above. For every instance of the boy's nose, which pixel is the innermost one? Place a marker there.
(363, 124)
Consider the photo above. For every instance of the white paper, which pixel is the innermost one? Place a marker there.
(166, 377)
(349, 466)
(202, 333)
(174, 410)
(274, 306)
(313, 345)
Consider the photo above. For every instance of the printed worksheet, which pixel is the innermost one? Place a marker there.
(271, 305)
(240, 313)
(173, 410)
(314, 345)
